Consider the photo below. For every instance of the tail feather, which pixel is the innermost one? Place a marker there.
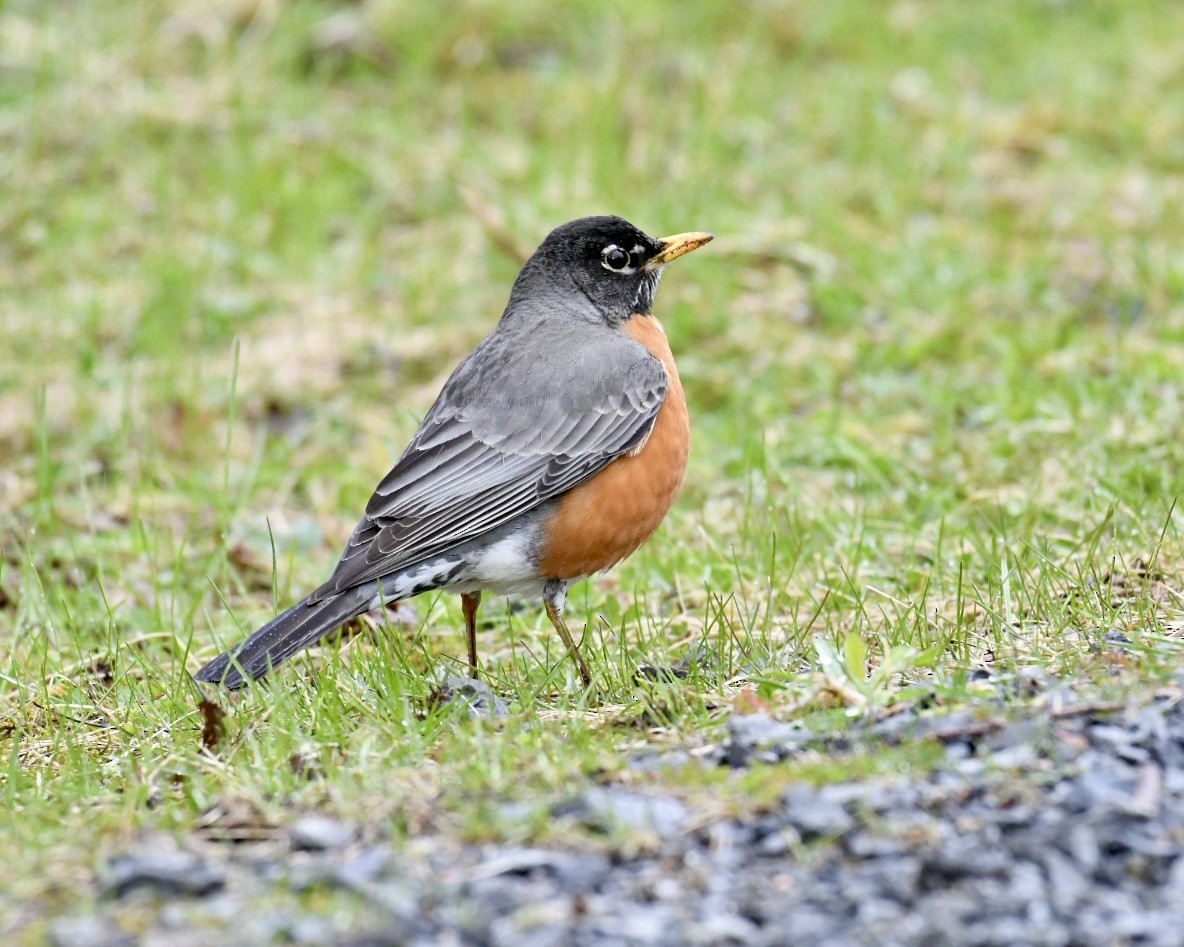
(298, 628)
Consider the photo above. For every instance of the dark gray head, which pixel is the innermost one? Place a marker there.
(602, 260)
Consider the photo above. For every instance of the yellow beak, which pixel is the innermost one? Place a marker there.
(676, 246)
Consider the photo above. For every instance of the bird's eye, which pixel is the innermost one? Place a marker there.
(615, 258)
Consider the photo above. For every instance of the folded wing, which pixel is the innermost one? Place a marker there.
(492, 448)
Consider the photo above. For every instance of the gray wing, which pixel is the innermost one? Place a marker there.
(506, 434)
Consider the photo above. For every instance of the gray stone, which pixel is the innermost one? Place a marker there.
(317, 833)
(807, 925)
(475, 696)
(813, 814)
(88, 931)
(660, 762)
(772, 844)
(364, 869)
(896, 878)
(865, 844)
(722, 929)
(572, 871)
(633, 923)
(752, 737)
(168, 872)
(612, 808)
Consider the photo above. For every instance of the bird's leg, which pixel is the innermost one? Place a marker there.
(554, 598)
(469, 602)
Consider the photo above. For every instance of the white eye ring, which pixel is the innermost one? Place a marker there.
(615, 259)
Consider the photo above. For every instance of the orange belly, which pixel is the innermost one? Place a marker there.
(602, 521)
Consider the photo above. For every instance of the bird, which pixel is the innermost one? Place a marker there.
(553, 451)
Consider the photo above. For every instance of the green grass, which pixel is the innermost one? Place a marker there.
(933, 359)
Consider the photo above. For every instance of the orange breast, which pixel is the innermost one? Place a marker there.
(602, 521)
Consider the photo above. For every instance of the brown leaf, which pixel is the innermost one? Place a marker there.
(749, 702)
(212, 726)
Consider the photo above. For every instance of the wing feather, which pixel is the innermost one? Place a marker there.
(501, 440)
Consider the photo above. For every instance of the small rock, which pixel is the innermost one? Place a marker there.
(813, 814)
(575, 872)
(631, 923)
(808, 925)
(875, 911)
(718, 929)
(1020, 756)
(1116, 639)
(772, 845)
(89, 931)
(363, 870)
(666, 761)
(475, 696)
(752, 734)
(318, 833)
(615, 808)
(866, 844)
(961, 857)
(174, 872)
(1068, 887)
(1118, 740)
(896, 878)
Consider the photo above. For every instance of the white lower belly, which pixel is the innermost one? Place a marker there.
(504, 567)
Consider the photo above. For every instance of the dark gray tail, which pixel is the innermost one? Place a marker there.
(301, 626)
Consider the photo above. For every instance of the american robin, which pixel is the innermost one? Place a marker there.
(552, 453)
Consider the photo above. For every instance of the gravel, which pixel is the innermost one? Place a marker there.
(1063, 827)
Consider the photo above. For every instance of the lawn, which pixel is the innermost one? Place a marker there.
(934, 360)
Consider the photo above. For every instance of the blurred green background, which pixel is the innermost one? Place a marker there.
(944, 302)
(934, 356)
(242, 243)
